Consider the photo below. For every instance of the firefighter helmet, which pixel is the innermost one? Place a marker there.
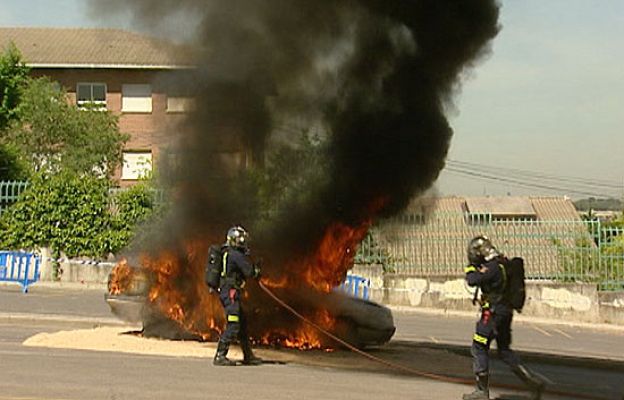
(237, 237)
(481, 249)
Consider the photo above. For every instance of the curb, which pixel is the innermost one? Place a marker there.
(103, 321)
(61, 285)
(530, 356)
(518, 318)
(72, 285)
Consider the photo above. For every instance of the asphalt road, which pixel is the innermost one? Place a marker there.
(36, 373)
(552, 338)
(584, 361)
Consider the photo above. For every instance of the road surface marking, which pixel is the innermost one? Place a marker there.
(559, 331)
(541, 331)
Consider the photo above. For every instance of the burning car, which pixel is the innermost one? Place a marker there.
(169, 298)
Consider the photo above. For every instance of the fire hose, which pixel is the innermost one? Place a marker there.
(424, 374)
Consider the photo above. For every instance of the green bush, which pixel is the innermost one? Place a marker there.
(580, 262)
(75, 215)
(12, 164)
(130, 208)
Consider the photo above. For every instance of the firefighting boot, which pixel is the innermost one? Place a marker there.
(483, 390)
(248, 356)
(535, 383)
(220, 358)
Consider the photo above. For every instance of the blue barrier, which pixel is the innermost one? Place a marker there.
(353, 284)
(19, 267)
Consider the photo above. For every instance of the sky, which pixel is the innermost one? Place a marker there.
(543, 114)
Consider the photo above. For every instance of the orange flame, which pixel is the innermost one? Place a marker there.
(193, 308)
(177, 288)
(306, 337)
(327, 267)
(121, 278)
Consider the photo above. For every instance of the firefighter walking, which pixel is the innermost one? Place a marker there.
(237, 268)
(486, 271)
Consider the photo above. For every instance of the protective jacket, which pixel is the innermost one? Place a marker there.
(236, 269)
(492, 282)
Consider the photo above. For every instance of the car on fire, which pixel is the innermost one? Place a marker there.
(359, 322)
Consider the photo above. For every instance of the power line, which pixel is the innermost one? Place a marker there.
(514, 172)
(524, 183)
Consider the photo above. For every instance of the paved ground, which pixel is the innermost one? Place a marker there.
(581, 360)
(57, 374)
(552, 338)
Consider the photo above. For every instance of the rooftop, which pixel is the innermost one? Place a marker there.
(94, 48)
(500, 206)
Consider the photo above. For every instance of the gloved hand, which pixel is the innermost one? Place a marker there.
(257, 273)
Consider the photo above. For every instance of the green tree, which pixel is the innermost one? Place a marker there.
(291, 173)
(13, 76)
(57, 136)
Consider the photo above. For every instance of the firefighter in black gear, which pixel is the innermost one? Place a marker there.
(486, 272)
(236, 269)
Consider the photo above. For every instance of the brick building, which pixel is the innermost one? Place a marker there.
(124, 72)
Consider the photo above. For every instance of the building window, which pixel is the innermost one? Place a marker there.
(180, 104)
(136, 98)
(136, 165)
(91, 95)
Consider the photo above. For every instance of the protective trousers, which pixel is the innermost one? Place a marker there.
(236, 327)
(493, 324)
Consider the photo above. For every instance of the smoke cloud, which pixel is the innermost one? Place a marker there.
(375, 74)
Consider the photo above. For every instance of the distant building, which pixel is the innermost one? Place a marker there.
(431, 236)
(122, 71)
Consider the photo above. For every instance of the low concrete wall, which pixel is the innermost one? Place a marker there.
(73, 272)
(575, 302)
(81, 273)
(563, 301)
(612, 307)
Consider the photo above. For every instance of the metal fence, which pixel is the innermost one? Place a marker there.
(9, 193)
(11, 190)
(435, 245)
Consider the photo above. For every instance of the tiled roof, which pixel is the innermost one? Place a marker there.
(89, 48)
(542, 207)
(518, 206)
(555, 208)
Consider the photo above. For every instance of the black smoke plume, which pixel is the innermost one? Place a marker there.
(375, 75)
